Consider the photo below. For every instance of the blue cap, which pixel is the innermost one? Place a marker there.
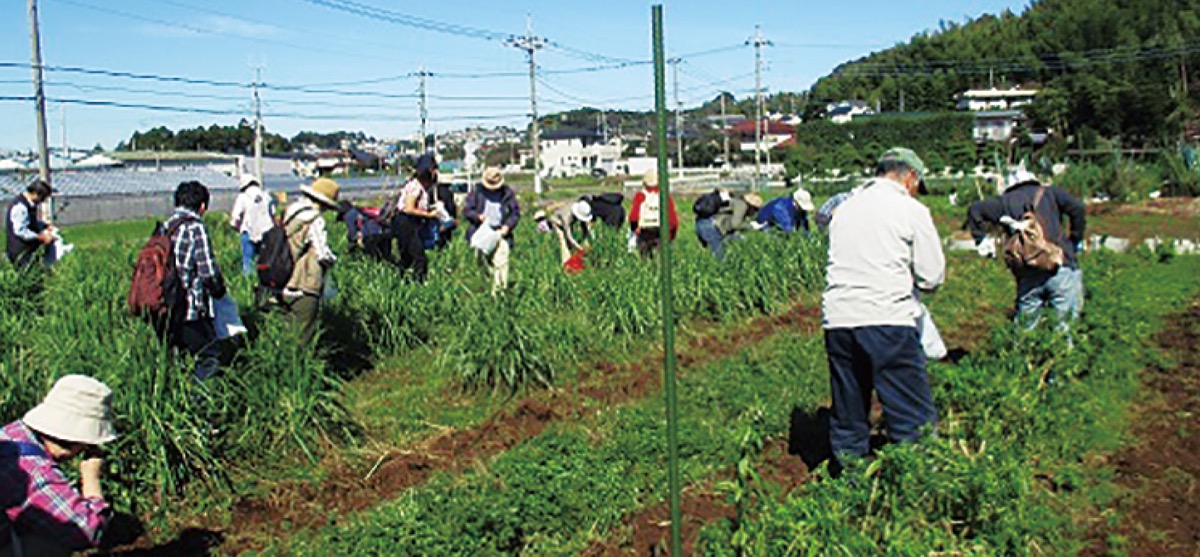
(425, 164)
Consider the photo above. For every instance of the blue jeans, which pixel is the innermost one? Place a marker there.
(249, 252)
(710, 237)
(1062, 291)
(887, 359)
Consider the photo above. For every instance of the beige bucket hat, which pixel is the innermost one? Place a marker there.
(803, 200)
(493, 178)
(324, 191)
(78, 409)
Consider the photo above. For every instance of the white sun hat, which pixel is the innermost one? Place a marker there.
(77, 409)
(803, 200)
(582, 210)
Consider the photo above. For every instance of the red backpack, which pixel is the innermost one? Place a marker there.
(156, 289)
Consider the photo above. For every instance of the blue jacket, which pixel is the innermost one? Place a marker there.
(510, 210)
(783, 214)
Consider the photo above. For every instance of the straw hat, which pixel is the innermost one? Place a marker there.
(77, 409)
(247, 180)
(753, 200)
(803, 200)
(322, 190)
(582, 211)
(540, 215)
(650, 179)
(493, 178)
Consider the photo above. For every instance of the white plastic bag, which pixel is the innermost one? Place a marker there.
(931, 339)
(226, 319)
(485, 239)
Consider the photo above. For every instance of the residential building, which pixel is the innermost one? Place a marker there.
(998, 112)
(845, 111)
(773, 134)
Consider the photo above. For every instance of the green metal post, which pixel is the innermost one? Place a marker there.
(664, 258)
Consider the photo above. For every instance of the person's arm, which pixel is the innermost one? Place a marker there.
(785, 217)
(56, 510)
(928, 261)
(980, 213)
(318, 241)
(672, 216)
(410, 207)
(239, 212)
(738, 221)
(20, 218)
(513, 216)
(206, 267)
(802, 218)
(1075, 210)
(635, 210)
(472, 208)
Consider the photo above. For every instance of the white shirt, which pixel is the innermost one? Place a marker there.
(881, 245)
(252, 213)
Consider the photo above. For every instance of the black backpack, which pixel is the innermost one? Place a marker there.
(275, 264)
(707, 205)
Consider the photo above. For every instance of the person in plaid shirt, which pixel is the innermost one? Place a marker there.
(44, 514)
(200, 276)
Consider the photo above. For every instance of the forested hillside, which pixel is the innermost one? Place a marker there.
(1117, 68)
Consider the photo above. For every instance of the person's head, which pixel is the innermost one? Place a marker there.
(582, 211)
(753, 200)
(650, 179)
(75, 415)
(192, 195)
(246, 181)
(1019, 177)
(323, 192)
(39, 191)
(803, 200)
(493, 178)
(904, 167)
(425, 169)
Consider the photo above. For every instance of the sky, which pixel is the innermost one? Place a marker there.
(331, 65)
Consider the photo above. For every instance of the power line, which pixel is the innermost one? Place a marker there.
(424, 24)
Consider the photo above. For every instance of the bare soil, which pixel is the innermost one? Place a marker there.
(354, 486)
(1160, 516)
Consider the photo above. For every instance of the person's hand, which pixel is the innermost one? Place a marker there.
(503, 231)
(46, 237)
(90, 469)
(986, 248)
(482, 219)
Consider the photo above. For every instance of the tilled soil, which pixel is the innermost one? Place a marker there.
(295, 506)
(1161, 515)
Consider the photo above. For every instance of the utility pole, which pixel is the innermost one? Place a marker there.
(65, 149)
(39, 96)
(258, 137)
(678, 114)
(530, 44)
(725, 131)
(758, 42)
(424, 106)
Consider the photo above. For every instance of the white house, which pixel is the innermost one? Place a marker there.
(981, 100)
(845, 111)
(566, 152)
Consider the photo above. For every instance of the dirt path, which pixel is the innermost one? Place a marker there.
(296, 506)
(1161, 515)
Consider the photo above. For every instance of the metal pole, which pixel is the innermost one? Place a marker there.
(39, 96)
(258, 136)
(424, 111)
(668, 309)
(757, 106)
(725, 132)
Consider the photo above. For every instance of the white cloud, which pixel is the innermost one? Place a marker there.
(240, 27)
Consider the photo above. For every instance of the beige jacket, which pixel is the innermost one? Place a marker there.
(309, 244)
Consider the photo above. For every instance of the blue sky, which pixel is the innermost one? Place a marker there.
(310, 44)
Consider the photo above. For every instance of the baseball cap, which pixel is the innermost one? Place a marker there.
(909, 159)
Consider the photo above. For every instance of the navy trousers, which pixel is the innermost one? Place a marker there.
(887, 359)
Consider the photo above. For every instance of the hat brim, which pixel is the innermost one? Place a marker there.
(318, 197)
(74, 429)
(922, 189)
(495, 186)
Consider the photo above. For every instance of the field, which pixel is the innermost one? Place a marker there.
(437, 419)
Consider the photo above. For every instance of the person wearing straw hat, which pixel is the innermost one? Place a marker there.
(412, 211)
(644, 218)
(786, 214)
(251, 217)
(309, 243)
(493, 204)
(883, 247)
(44, 515)
(734, 215)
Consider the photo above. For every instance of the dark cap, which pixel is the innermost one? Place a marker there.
(425, 164)
(40, 187)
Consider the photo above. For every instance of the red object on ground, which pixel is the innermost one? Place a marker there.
(574, 264)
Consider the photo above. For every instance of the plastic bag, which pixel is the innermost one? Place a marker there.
(485, 239)
(931, 339)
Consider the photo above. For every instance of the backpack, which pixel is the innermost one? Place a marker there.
(1027, 248)
(707, 205)
(275, 264)
(648, 218)
(156, 289)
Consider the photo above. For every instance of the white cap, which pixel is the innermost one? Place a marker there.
(247, 180)
(582, 210)
(1018, 176)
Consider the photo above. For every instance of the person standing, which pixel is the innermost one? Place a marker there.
(251, 217)
(412, 212)
(44, 515)
(494, 204)
(309, 243)
(26, 233)
(1061, 289)
(786, 214)
(194, 331)
(734, 215)
(882, 246)
(645, 219)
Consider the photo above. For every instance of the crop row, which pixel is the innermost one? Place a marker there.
(978, 487)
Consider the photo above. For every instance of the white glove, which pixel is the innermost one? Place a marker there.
(1013, 224)
(758, 225)
(986, 248)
